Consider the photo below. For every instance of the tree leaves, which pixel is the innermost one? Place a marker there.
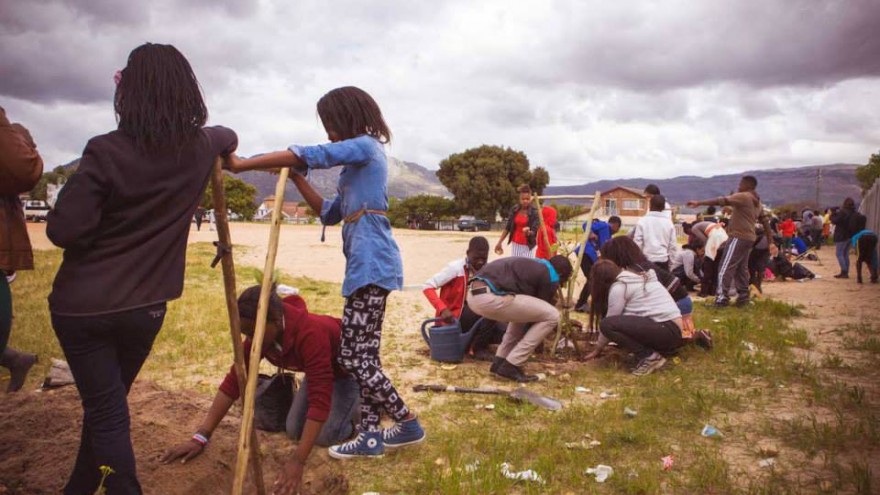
(484, 179)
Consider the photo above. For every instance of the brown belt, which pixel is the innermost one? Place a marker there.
(354, 217)
(479, 287)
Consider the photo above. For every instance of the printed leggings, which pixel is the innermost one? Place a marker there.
(362, 320)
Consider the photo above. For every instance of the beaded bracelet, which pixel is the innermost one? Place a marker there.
(200, 439)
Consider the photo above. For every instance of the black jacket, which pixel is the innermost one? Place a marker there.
(123, 221)
(516, 275)
(534, 224)
(842, 220)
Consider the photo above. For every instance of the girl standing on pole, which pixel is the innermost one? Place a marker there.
(357, 132)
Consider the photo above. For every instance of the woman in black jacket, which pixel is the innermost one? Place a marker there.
(123, 220)
(841, 219)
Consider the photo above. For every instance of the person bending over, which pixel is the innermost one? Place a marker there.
(452, 282)
(326, 404)
(600, 233)
(686, 264)
(523, 292)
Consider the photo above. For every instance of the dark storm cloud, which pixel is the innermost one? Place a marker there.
(665, 45)
(68, 51)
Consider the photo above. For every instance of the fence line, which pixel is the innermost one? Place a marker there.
(870, 206)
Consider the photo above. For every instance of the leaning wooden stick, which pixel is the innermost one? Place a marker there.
(224, 254)
(580, 258)
(247, 417)
(545, 239)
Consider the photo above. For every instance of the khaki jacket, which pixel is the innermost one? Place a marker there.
(20, 170)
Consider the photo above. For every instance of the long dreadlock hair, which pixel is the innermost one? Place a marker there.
(350, 112)
(602, 275)
(158, 100)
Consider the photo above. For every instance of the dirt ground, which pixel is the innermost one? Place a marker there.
(159, 419)
(162, 418)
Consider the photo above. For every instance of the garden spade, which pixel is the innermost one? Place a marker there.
(520, 394)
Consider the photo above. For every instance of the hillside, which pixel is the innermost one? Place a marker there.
(404, 179)
(776, 186)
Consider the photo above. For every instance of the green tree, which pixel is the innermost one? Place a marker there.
(540, 179)
(868, 173)
(240, 197)
(422, 208)
(57, 176)
(484, 180)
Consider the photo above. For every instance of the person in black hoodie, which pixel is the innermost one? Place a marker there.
(843, 232)
(123, 220)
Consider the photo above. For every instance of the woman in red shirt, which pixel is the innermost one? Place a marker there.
(522, 226)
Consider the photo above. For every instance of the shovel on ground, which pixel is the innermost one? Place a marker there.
(520, 394)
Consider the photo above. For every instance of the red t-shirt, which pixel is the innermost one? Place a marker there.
(520, 221)
(787, 228)
(549, 214)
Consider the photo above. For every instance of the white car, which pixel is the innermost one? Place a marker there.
(35, 210)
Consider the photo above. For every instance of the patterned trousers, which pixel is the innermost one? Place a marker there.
(362, 320)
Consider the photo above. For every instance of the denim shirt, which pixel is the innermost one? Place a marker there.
(371, 254)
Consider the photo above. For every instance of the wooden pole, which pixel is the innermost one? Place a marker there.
(247, 417)
(224, 251)
(543, 229)
(566, 311)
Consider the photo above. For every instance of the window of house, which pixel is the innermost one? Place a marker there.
(632, 204)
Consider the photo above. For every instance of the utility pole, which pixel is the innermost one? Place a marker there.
(818, 187)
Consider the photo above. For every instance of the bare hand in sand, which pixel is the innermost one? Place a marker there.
(185, 451)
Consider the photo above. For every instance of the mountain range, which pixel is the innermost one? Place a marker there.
(776, 186)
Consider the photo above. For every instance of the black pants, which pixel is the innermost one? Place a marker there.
(5, 311)
(586, 266)
(487, 332)
(362, 318)
(758, 260)
(867, 248)
(709, 280)
(641, 335)
(105, 354)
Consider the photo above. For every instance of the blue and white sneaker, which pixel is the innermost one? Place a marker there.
(407, 432)
(366, 444)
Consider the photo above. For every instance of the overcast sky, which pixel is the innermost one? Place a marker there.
(587, 89)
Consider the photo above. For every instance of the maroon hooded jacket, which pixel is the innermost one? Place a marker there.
(309, 343)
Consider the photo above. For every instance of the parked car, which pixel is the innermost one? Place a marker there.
(35, 210)
(471, 223)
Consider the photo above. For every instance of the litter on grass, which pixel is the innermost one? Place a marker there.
(527, 475)
(582, 390)
(630, 413)
(768, 462)
(607, 395)
(750, 346)
(668, 461)
(710, 431)
(601, 472)
(472, 467)
(583, 445)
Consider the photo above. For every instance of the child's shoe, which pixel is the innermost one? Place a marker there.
(407, 432)
(366, 444)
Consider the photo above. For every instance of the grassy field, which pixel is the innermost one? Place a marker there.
(763, 387)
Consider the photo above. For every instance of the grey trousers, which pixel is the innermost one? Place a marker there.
(733, 269)
(520, 339)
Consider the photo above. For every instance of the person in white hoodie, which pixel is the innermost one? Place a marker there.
(635, 311)
(655, 234)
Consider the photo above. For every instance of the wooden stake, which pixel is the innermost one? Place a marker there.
(228, 266)
(543, 229)
(247, 418)
(566, 311)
